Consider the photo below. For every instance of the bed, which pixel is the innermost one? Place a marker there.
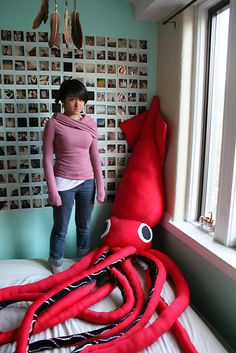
(19, 272)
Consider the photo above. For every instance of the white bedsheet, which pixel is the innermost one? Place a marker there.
(15, 272)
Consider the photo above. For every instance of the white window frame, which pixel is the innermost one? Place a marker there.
(225, 227)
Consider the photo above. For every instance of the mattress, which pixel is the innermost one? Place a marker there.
(19, 272)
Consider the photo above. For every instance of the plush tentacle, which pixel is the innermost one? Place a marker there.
(46, 284)
(112, 330)
(27, 327)
(180, 332)
(33, 291)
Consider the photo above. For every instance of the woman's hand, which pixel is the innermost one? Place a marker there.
(101, 196)
(54, 199)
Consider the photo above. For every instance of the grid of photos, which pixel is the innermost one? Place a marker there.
(115, 72)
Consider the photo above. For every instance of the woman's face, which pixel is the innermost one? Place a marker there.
(73, 105)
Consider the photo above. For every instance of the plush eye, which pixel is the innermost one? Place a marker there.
(145, 233)
(107, 227)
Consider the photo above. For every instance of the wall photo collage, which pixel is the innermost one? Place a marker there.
(115, 72)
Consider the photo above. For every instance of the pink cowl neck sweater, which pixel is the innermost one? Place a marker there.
(75, 146)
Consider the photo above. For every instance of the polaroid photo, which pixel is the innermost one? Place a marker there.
(100, 122)
(111, 174)
(101, 149)
(101, 82)
(44, 80)
(43, 37)
(20, 79)
(132, 97)
(100, 41)
(22, 136)
(143, 44)
(133, 70)
(32, 79)
(8, 93)
(111, 83)
(90, 68)
(8, 79)
(31, 50)
(18, 36)
(44, 107)
(90, 54)
(68, 67)
(101, 69)
(90, 82)
(11, 150)
(55, 53)
(142, 58)
(111, 42)
(111, 69)
(10, 136)
(101, 96)
(122, 42)
(79, 67)
(7, 64)
(133, 43)
(35, 163)
(9, 108)
(6, 35)
(100, 109)
(111, 110)
(101, 55)
(56, 80)
(111, 123)
(111, 55)
(25, 204)
(121, 110)
(44, 52)
(133, 57)
(55, 66)
(30, 36)
(89, 41)
(78, 54)
(7, 50)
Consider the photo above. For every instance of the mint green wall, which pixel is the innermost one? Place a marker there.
(25, 234)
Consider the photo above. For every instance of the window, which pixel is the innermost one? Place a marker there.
(214, 106)
(213, 166)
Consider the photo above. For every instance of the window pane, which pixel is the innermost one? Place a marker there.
(215, 109)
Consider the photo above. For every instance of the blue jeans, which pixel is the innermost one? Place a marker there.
(83, 197)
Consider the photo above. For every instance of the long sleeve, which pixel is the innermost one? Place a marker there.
(48, 147)
(96, 164)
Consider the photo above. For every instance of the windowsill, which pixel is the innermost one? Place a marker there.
(203, 243)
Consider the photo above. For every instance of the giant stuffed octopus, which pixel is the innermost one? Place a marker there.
(125, 250)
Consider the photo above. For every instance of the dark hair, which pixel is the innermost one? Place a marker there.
(72, 88)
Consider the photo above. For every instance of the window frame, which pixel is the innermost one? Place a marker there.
(225, 226)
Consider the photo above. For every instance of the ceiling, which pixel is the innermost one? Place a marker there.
(156, 10)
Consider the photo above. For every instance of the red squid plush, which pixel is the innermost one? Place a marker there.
(126, 247)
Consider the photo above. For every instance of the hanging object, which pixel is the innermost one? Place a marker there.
(54, 40)
(42, 16)
(72, 28)
(67, 34)
(76, 30)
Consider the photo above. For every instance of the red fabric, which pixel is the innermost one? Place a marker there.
(138, 205)
(140, 193)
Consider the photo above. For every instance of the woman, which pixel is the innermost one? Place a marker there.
(72, 137)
